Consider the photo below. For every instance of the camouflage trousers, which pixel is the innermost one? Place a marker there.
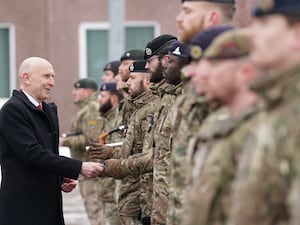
(130, 220)
(111, 213)
(90, 196)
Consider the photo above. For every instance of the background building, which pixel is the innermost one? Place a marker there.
(73, 36)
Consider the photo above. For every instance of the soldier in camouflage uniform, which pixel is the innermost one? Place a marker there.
(221, 137)
(143, 163)
(110, 71)
(266, 189)
(110, 97)
(134, 186)
(161, 129)
(125, 108)
(83, 124)
(182, 129)
(192, 109)
(139, 90)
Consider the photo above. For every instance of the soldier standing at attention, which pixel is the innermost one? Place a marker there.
(110, 71)
(130, 187)
(109, 100)
(228, 71)
(86, 98)
(194, 17)
(180, 166)
(266, 189)
(155, 53)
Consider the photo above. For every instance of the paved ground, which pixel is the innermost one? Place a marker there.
(74, 211)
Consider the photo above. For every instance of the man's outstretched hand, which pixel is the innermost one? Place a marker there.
(92, 169)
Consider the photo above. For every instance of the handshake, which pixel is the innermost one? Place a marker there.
(98, 152)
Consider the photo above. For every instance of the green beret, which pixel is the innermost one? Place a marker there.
(86, 83)
(228, 45)
(133, 54)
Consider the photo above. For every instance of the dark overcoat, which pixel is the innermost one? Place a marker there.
(31, 168)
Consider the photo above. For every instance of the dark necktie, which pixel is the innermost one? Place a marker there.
(40, 107)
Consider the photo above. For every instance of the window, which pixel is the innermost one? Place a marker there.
(94, 44)
(7, 61)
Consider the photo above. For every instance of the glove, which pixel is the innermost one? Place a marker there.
(113, 169)
(99, 151)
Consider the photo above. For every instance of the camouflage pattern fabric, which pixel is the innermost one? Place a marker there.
(133, 187)
(190, 111)
(161, 160)
(85, 121)
(218, 146)
(266, 190)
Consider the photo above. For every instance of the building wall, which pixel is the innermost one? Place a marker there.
(49, 28)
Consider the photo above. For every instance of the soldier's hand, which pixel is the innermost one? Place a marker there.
(98, 151)
(91, 169)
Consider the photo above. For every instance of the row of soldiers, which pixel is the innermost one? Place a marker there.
(210, 131)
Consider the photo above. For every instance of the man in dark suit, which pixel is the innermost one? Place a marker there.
(33, 174)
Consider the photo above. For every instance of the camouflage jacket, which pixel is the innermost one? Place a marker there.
(81, 123)
(106, 185)
(190, 111)
(161, 159)
(219, 143)
(130, 187)
(267, 186)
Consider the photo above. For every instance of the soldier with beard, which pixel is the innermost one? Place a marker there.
(194, 17)
(193, 112)
(131, 194)
(109, 100)
(155, 53)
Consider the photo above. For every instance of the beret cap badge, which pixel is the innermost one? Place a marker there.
(131, 67)
(196, 52)
(148, 51)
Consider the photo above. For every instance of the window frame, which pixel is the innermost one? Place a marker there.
(12, 59)
(88, 26)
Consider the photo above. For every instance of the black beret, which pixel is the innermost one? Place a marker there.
(268, 7)
(86, 83)
(113, 66)
(138, 66)
(202, 40)
(155, 46)
(217, 1)
(179, 49)
(108, 86)
(133, 54)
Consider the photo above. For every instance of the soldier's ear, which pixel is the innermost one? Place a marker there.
(114, 100)
(147, 79)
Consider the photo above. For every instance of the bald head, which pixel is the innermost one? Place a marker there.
(29, 65)
(37, 77)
